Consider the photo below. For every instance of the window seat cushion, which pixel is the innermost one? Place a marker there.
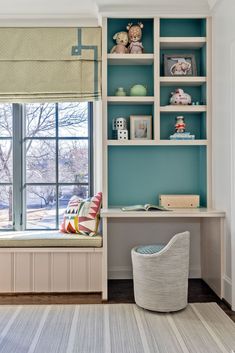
(47, 238)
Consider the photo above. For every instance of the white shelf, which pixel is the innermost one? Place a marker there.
(116, 212)
(130, 59)
(183, 143)
(183, 108)
(182, 42)
(130, 100)
(183, 81)
(157, 143)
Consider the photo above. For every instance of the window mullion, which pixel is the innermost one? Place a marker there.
(17, 167)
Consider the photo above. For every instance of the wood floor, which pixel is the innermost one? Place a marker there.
(120, 291)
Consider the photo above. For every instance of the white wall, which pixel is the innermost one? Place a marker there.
(224, 128)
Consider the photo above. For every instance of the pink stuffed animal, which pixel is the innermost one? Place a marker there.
(121, 39)
(135, 35)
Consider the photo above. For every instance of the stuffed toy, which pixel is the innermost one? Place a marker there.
(135, 35)
(121, 43)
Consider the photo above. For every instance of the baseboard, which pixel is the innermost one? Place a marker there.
(227, 289)
(125, 272)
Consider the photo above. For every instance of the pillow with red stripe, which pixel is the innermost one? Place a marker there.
(82, 216)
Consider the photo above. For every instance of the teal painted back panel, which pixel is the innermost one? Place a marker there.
(118, 25)
(195, 124)
(115, 111)
(197, 93)
(140, 174)
(126, 76)
(199, 57)
(182, 27)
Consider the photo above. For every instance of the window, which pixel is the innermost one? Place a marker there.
(45, 158)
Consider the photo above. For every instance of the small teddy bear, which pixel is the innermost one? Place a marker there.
(121, 43)
(135, 35)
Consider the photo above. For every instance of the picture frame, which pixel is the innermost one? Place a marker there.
(180, 65)
(141, 127)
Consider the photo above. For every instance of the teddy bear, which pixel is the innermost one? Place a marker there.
(135, 35)
(121, 43)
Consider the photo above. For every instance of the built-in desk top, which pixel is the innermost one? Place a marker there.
(179, 212)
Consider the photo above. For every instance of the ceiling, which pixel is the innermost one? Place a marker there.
(91, 8)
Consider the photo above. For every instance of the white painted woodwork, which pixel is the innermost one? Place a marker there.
(130, 59)
(51, 270)
(183, 108)
(182, 42)
(130, 100)
(157, 143)
(183, 81)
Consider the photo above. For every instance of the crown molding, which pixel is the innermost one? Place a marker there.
(48, 20)
(150, 11)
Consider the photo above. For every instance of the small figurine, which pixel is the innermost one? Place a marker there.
(121, 43)
(180, 124)
(180, 97)
(135, 35)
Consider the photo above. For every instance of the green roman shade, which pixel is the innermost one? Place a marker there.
(50, 64)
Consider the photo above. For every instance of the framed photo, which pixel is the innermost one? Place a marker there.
(180, 65)
(141, 127)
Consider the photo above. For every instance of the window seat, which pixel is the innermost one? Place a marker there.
(47, 238)
(50, 262)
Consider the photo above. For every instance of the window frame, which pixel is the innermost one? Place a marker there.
(19, 165)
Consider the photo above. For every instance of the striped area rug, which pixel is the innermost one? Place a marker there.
(117, 328)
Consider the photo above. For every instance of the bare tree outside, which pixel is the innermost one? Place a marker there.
(53, 133)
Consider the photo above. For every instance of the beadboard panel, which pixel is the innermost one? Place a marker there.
(30, 270)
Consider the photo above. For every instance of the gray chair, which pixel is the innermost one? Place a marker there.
(161, 278)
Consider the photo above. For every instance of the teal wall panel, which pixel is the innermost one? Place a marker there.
(126, 76)
(118, 25)
(140, 174)
(195, 124)
(183, 27)
(125, 111)
(199, 57)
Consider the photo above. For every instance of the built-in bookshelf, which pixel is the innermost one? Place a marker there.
(137, 171)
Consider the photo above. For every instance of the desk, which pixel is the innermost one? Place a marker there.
(211, 235)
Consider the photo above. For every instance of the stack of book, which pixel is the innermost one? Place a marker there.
(182, 136)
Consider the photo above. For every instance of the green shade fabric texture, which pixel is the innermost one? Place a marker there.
(50, 64)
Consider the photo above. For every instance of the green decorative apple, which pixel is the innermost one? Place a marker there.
(138, 90)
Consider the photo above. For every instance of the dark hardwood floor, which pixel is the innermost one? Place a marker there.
(120, 291)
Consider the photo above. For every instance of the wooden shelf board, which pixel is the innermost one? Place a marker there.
(130, 59)
(182, 42)
(183, 143)
(130, 100)
(183, 81)
(157, 143)
(183, 108)
(116, 212)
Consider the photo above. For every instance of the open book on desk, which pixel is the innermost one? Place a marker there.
(147, 207)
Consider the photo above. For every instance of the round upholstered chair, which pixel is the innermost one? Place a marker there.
(160, 274)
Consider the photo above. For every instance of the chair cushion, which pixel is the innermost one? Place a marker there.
(34, 239)
(149, 249)
(82, 216)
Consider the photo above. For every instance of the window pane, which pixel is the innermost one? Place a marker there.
(5, 207)
(66, 192)
(41, 207)
(5, 120)
(5, 161)
(40, 161)
(40, 120)
(73, 119)
(73, 161)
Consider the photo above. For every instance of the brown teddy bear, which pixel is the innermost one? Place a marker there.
(135, 35)
(121, 43)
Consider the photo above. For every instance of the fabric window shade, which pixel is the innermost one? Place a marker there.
(50, 64)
